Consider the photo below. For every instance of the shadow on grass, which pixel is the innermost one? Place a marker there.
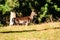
(18, 31)
(29, 30)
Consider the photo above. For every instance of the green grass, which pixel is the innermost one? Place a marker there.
(45, 31)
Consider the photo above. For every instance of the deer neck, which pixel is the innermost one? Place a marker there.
(31, 16)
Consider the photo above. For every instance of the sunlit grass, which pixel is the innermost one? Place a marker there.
(45, 31)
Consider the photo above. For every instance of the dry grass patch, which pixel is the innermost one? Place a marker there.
(45, 31)
(31, 27)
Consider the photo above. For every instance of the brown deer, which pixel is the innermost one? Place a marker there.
(24, 20)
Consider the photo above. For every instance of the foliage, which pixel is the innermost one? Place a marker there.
(8, 5)
(44, 8)
(44, 11)
(56, 7)
(0, 24)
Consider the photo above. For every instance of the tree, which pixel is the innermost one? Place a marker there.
(8, 5)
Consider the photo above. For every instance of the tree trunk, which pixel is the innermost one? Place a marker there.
(12, 15)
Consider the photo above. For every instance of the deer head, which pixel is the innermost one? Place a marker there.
(32, 14)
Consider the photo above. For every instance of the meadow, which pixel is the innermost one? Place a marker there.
(44, 31)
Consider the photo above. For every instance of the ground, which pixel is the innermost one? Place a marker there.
(44, 31)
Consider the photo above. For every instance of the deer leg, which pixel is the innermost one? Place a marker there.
(26, 23)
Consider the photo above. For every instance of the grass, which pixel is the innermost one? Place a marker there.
(45, 31)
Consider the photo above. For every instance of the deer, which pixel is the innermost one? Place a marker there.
(24, 20)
